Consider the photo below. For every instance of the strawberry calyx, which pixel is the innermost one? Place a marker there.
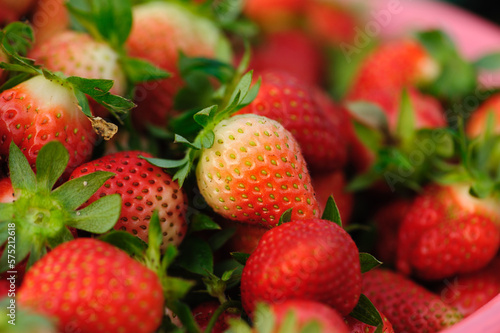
(23, 320)
(42, 215)
(98, 89)
(111, 22)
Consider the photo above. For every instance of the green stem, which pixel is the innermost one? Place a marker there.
(220, 310)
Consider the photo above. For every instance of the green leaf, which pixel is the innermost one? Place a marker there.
(155, 234)
(181, 309)
(368, 262)
(286, 216)
(222, 71)
(251, 95)
(23, 246)
(51, 162)
(371, 138)
(165, 164)
(488, 62)
(36, 253)
(83, 102)
(183, 140)
(19, 38)
(240, 257)
(289, 323)
(312, 326)
(138, 70)
(405, 129)
(21, 174)
(169, 256)
(91, 87)
(366, 312)
(208, 139)
(195, 255)
(331, 212)
(363, 181)
(6, 212)
(200, 222)
(14, 81)
(265, 321)
(125, 241)
(76, 192)
(203, 117)
(220, 238)
(227, 10)
(98, 217)
(369, 114)
(62, 237)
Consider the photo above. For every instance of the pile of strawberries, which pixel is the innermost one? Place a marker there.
(240, 166)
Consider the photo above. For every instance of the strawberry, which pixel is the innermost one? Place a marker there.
(477, 122)
(408, 306)
(78, 54)
(12, 10)
(306, 64)
(356, 326)
(447, 231)
(254, 172)
(40, 110)
(245, 238)
(387, 221)
(202, 313)
(160, 31)
(49, 18)
(334, 184)
(469, 292)
(91, 286)
(311, 259)
(6, 191)
(274, 15)
(285, 99)
(143, 188)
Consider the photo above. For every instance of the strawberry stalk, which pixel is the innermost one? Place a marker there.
(42, 215)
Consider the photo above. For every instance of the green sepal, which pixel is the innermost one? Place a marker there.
(22, 249)
(369, 114)
(240, 257)
(405, 128)
(50, 164)
(363, 181)
(488, 62)
(6, 212)
(139, 70)
(227, 10)
(76, 192)
(25, 320)
(368, 262)
(182, 311)
(195, 256)
(19, 38)
(201, 222)
(331, 212)
(186, 142)
(169, 256)
(83, 102)
(62, 237)
(21, 175)
(125, 241)
(367, 313)
(371, 138)
(312, 327)
(4, 225)
(289, 323)
(265, 320)
(285, 217)
(222, 71)
(36, 253)
(203, 117)
(165, 164)
(14, 80)
(98, 217)
(218, 239)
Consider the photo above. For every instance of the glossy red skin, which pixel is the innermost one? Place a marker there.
(284, 98)
(469, 292)
(313, 259)
(329, 22)
(203, 312)
(408, 306)
(439, 237)
(91, 286)
(143, 188)
(356, 326)
(306, 63)
(477, 123)
(334, 184)
(307, 311)
(245, 238)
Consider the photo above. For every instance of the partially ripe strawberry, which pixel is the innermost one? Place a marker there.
(284, 98)
(254, 172)
(477, 123)
(160, 32)
(91, 287)
(202, 313)
(144, 188)
(334, 183)
(314, 259)
(40, 110)
(356, 326)
(49, 18)
(408, 306)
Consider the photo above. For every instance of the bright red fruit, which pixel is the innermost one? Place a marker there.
(274, 14)
(315, 260)
(469, 292)
(447, 231)
(143, 188)
(6, 190)
(356, 326)
(284, 98)
(334, 184)
(13, 10)
(408, 306)
(203, 312)
(38, 111)
(93, 287)
(477, 122)
(49, 18)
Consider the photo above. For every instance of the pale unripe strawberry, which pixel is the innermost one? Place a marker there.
(254, 172)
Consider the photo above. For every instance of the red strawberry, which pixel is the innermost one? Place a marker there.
(388, 220)
(4, 288)
(306, 63)
(40, 110)
(161, 30)
(49, 18)
(143, 188)
(254, 172)
(203, 312)
(6, 191)
(274, 15)
(91, 286)
(469, 292)
(285, 99)
(446, 231)
(334, 184)
(408, 306)
(477, 122)
(13, 10)
(356, 326)
(245, 238)
(306, 312)
(312, 259)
